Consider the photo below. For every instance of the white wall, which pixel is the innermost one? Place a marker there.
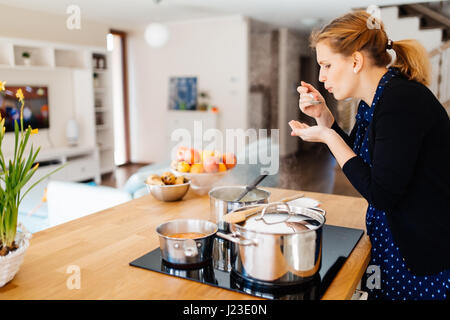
(215, 50)
(37, 25)
(408, 28)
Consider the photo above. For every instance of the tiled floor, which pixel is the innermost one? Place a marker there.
(312, 170)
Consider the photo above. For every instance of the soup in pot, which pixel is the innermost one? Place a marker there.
(187, 235)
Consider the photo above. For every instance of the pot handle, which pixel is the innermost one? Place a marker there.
(190, 248)
(235, 238)
(319, 210)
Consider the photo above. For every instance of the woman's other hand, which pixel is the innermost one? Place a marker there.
(341, 151)
(320, 112)
(308, 133)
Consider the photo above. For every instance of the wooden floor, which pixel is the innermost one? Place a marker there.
(313, 170)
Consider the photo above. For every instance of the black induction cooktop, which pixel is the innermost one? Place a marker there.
(337, 244)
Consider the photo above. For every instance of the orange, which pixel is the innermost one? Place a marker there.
(197, 168)
(222, 167)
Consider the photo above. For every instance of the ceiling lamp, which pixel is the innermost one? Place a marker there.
(309, 22)
(156, 34)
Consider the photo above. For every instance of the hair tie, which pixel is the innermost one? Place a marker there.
(389, 44)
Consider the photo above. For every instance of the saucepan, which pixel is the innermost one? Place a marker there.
(186, 243)
(281, 244)
(223, 200)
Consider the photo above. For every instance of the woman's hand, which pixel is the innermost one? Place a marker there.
(320, 112)
(341, 151)
(309, 133)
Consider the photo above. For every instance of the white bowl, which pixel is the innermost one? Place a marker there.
(201, 183)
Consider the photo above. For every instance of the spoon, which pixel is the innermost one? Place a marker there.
(314, 102)
(251, 187)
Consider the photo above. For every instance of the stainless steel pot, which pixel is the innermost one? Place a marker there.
(268, 249)
(186, 252)
(221, 202)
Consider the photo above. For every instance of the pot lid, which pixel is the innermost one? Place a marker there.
(278, 219)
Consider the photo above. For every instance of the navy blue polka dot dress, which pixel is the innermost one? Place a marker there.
(397, 282)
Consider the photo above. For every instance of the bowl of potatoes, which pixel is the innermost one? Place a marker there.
(167, 187)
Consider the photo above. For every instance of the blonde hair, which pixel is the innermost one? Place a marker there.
(350, 33)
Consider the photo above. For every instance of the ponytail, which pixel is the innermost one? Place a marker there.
(412, 60)
(350, 33)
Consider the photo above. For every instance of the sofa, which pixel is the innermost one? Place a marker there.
(65, 201)
(71, 200)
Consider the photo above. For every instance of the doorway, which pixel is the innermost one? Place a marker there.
(117, 46)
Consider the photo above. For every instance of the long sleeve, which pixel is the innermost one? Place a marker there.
(400, 128)
(349, 139)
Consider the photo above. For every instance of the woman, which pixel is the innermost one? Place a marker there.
(396, 156)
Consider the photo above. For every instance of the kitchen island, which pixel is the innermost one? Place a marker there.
(89, 258)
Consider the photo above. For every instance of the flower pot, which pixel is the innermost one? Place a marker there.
(27, 61)
(10, 264)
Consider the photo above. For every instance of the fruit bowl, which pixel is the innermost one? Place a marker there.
(169, 192)
(201, 183)
(204, 168)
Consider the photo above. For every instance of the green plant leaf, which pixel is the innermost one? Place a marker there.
(43, 178)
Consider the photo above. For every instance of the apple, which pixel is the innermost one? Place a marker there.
(229, 159)
(210, 164)
(209, 153)
(180, 153)
(191, 156)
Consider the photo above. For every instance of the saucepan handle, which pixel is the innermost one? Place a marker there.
(235, 238)
(190, 248)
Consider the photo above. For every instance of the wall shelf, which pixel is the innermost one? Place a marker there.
(44, 55)
(39, 56)
(68, 72)
(103, 109)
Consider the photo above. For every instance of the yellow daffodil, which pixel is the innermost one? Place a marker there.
(19, 95)
(15, 176)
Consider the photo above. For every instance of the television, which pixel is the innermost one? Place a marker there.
(35, 111)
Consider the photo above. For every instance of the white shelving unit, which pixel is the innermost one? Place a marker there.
(67, 71)
(104, 121)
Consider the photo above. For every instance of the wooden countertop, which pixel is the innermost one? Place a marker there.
(103, 244)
